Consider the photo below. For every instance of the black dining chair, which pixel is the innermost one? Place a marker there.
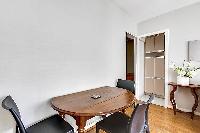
(121, 123)
(52, 124)
(126, 84)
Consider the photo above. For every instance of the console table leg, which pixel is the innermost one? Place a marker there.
(193, 90)
(172, 99)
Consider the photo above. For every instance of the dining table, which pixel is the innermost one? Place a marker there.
(93, 102)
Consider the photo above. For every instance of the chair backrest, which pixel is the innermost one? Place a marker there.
(137, 121)
(9, 104)
(139, 118)
(126, 84)
(148, 102)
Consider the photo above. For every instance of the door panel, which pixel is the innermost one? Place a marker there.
(149, 85)
(159, 87)
(160, 67)
(149, 67)
(159, 42)
(149, 44)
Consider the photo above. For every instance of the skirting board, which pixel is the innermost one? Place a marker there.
(185, 110)
(90, 123)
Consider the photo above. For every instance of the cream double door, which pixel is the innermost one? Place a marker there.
(155, 65)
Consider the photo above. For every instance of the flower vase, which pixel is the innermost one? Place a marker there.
(183, 80)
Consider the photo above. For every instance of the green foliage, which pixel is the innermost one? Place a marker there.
(186, 70)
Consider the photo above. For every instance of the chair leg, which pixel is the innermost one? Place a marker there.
(147, 129)
(104, 116)
(97, 129)
(17, 131)
(134, 106)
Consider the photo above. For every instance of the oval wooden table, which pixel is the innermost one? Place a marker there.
(82, 107)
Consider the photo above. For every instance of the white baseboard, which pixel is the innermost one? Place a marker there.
(197, 113)
(91, 122)
(185, 110)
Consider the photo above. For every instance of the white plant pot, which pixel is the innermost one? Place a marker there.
(183, 80)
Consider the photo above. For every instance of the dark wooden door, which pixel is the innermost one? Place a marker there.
(129, 56)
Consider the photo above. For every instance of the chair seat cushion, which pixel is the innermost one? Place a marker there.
(115, 123)
(53, 124)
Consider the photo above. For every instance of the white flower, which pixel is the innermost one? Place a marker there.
(186, 70)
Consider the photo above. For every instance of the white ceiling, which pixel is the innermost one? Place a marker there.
(145, 9)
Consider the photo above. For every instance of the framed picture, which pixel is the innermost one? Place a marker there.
(194, 57)
(194, 50)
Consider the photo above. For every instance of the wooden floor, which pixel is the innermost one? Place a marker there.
(163, 120)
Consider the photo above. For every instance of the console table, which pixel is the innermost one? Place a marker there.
(193, 90)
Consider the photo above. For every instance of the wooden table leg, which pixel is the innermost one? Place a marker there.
(81, 122)
(172, 99)
(193, 90)
(62, 114)
(124, 111)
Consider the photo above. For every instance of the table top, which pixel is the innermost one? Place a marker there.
(190, 85)
(112, 100)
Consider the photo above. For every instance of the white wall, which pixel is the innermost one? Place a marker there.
(183, 25)
(55, 47)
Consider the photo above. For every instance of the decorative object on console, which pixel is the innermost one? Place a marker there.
(96, 96)
(184, 72)
(183, 80)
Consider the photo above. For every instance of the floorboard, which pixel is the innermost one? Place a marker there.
(163, 120)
